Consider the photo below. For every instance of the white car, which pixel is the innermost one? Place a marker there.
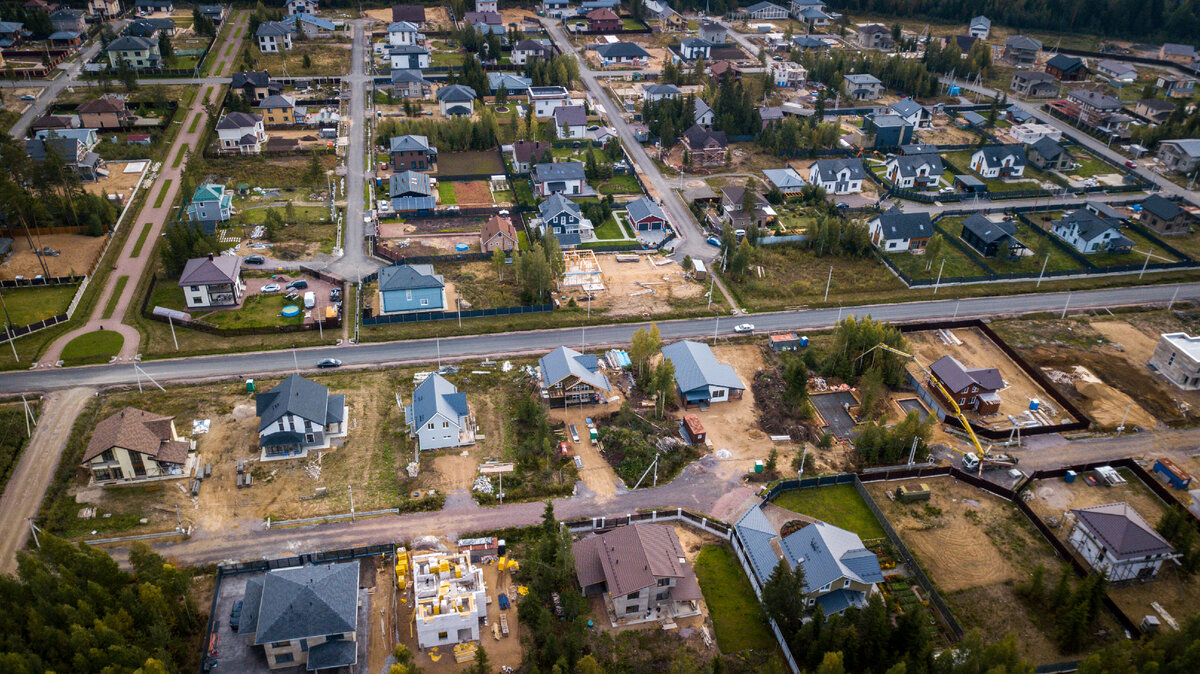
(269, 288)
(744, 327)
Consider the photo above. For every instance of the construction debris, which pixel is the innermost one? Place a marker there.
(313, 468)
(413, 467)
(483, 485)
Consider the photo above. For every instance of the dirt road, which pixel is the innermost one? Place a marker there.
(29, 481)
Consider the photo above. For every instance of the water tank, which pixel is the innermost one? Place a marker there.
(1070, 476)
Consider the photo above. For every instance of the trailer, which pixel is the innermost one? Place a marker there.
(1176, 476)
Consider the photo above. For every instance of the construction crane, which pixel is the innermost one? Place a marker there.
(971, 461)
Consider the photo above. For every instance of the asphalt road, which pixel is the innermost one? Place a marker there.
(53, 88)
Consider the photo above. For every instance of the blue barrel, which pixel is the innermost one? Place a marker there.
(1070, 476)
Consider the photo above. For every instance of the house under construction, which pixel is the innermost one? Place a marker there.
(581, 270)
(449, 595)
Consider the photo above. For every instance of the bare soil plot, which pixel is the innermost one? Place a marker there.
(1102, 403)
(943, 132)
(596, 473)
(469, 163)
(117, 181)
(384, 15)
(1173, 591)
(12, 98)
(307, 138)
(473, 193)
(622, 279)
(1052, 498)
(76, 254)
(454, 470)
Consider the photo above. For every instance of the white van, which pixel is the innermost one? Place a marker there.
(310, 300)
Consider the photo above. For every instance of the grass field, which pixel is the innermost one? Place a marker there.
(1088, 165)
(736, 615)
(256, 311)
(839, 505)
(625, 184)
(610, 229)
(446, 195)
(280, 172)
(1040, 244)
(162, 194)
(30, 305)
(116, 297)
(956, 263)
(181, 154)
(12, 441)
(792, 276)
(141, 240)
(93, 347)
(469, 163)
(325, 58)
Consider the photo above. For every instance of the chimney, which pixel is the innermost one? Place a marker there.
(210, 257)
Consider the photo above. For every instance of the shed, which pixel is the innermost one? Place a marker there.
(971, 184)
(906, 494)
(785, 342)
(692, 430)
(1178, 477)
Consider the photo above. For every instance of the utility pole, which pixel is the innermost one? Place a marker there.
(1043, 271)
(1145, 264)
(828, 282)
(1173, 295)
(1064, 311)
(939, 278)
(350, 488)
(172, 323)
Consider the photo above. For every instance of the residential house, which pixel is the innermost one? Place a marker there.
(645, 215)
(484, 22)
(456, 100)
(12, 33)
(786, 180)
(1034, 84)
(278, 110)
(1099, 110)
(838, 176)
(210, 205)
(1117, 72)
(863, 87)
(212, 281)
(151, 29)
(1066, 68)
(563, 177)
(765, 10)
(255, 86)
(875, 36)
(888, 130)
(894, 231)
(546, 99)
(64, 39)
(69, 20)
(439, 416)
(409, 83)
(138, 52)
(913, 113)
(1183, 54)
(1177, 357)
(733, 202)
(664, 18)
(74, 146)
(723, 69)
(411, 191)
(558, 9)
(979, 27)
(105, 112)
(641, 571)
(990, 237)
(405, 33)
(134, 444)
(999, 161)
(304, 616)
(410, 288)
(411, 152)
(705, 148)
(1180, 155)
(1089, 233)
(657, 92)
(311, 26)
(700, 379)
(512, 84)
(564, 219)
(297, 416)
(693, 48)
(570, 121)
(1165, 216)
(409, 57)
(702, 114)
(603, 20)
(52, 122)
(525, 153)
(527, 50)
(295, 7)
(152, 6)
(839, 571)
(105, 9)
(487, 5)
(1115, 541)
(1020, 50)
(450, 599)
(214, 13)
(1048, 155)
(240, 132)
(809, 43)
(567, 377)
(812, 16)
(1016, 115)
(621, 52)
(915, 171)
(274, 37)
(498, 233)
(1176, 86)
(973, 389)
(788, 74)
(712, 32)
(1156, 110)
(962, 44)
(411, 13)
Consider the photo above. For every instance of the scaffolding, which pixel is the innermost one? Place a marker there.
(581, 269)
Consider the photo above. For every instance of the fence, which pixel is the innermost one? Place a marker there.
(426, 316)
(202, 326)
(712, 526)
(326, 519)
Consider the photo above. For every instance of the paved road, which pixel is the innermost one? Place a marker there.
(988, 204)
(53, 88)
(539, 341)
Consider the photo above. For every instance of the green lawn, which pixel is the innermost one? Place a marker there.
(93, 347)
(180, 155)
(625, 184)
(503, 196)
(30, 305)
(792, 276)
(839, 505)
(1041, 245)
(631, 24)
(957, 263)
(1088, 165)
(195, 122)
(304, 214)
(1142, 245)
(737, 617)
(162, 194)
(257, 311)
(116, 297)
(610, 229)
(141, 240)
(446, 195)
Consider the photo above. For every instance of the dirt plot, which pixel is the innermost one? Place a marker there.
(12, 98)
(1052, 498)
(943, 132)
(76, 254)
(621, 279)
(307, 138)
(432, 244)
(473, 193)
(1102, 403)
(117, 181)
(469, 163)
(596, 473)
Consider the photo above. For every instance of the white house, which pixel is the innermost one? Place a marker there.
(894, 231)
(788, 74)
(693, 48)
(1117, 71)
(979, 27)
(570, 121)
(439, 415)
(1115, 540)
(409, 57)
(455, 100)
(915, 171)
(700, 378)
(451, 599)
(546, 99)
(526, 50)
(704, 115)
(838, 176)
(212, 281)
(1089, 233)
(298, 415)
(913, 113)
(404, 33)
(561, 178)
(274, 37)
(999, 161)
(134, 444)
(658, 92)
(301, 7)
(241, 132)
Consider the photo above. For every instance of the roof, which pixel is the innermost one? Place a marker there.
(981, 20)
(1034, 75)
(409, 143)
(317, 21)
(839, 600)
(1116, 66)
(1175, 49)
(206, 270)
(661, 89)
(1190, 146)
(407, 49)
(621, 50)
(272, 28)
(862, 78)
(883, 121)
(986, 230)
(808, 42)
(640, 209)
(295, 395)
(784, 178)
(1123, 531)
(495, 225)
(209, 192)
(756, 533)
(488, 18)
(567, 170)
(1162, 105)
(956, 376)
(414, 13)
(238, 120)
(827, 553)
(974, 118)
(63, 35)
(602, 14)
(828, 169)
(1046, 147)
(525, 150)
(872, 28)
(456, 93)
(137, 431)
(630, 558)
(907, 107)
(509, 81)
(409, 277)
(131, 43)
(909, 164)
(254, 79)
(565, 362)
(1095, 99)
(1087, 224)
(404, 75)
(434, 396)
(331, 654)
(1162, 207)
(696, 367)
(570, 115)
(898, 225)
(1022, 42)
(700, 109)
(530, 45)
(404, 26)
(994, 155)
(407, 182)
(277, 101)
(1064, 63)
(759, 6)
(698, 137)
(308, 601)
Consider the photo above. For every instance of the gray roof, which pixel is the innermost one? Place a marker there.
(1104, 210)
(272, 28)
(1190, 146)
(827, 553)
(1022, 42)
(785, 178)
(403, 27)
(700, 109)
(251, 601)
(986, 230)
(884, 121)
(1064, 63)
(1162, 207)
(974, 118)
(621, 50)
(862, 78)
(207, 270)
(994, 155)
(302, 397)
(696, 367)
(909, 164)
(131, 43)
(828, 169)
(277, 101)
(408, 49)
(918, 148)
(661, 89)
(695, 43)
(1124, 533)
(567, 170)
(436, 396)
(408, 143)
(907, 107)
(238, 120)
(956, 376)
(756, 533)
(981, 20)
(808, 42)
(332, 654)
(402, 75)
(531, 46)
(898, 225)
(256, 79)
(455, 93)
(1034, 76)
(1087, 224)
(1046, 147)
(570, 115)
(1118, 67)
(566, 362)
(308, 601)
(409, 277)
(698, 137)
(758, 6)
(640, 209)
(410, 184)
(1175, 49)
(839, 600)
(1095, 99)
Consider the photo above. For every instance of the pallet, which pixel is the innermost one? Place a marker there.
(504, 624)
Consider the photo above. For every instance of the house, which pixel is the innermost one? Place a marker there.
(666, 19)
(972, 389)
(813, 16)
(990, 238)
(241, 132)
(405, 33)
(765, 10)
(570, 121)
(979, 27)
(699, 378)
(411, 13)
(1089, 233)
(603, 20)
(889, 130)
(278, 110)
(138, 52)
(152, 6)
(484, 22)
(52, 122)
(712, 32)
(306, 615)
(1177, 357)
(73, 146)
(564, 218)
(439, 416)
(863, 87)
(999, 161)
(1020, 50)
(510, 83)
(409, 57)
(295, 7)
(411, 152)
(214, 13)
(1181, 155)
(68, 20)
(409, 83)
(839, 571)
(1154, 109)
(409, 288)
(134, 444)
(704, 147)
(562, 177)
(640, 571)
(546, 99)
(1034, 84)
(151, 29)
(658, 92)
(645, 215)
(809, 43)
(64, 38)
(724, 69)
(913, 112)
(1176, 86)
(915, 171)
(962, 44)
(456, 100)
(105, 9)
(1031, 132)
(693, 48)
(212, 281)
(894, 231)
(498, 233)
(297, 416)
(106, 112)
(527, 152)
(210, 204)
(558, 9)
(838, 176)
(411, 191)
(567, 377)
(1165, 216)
(1183, 54)
(875, 36)
(1115, 541)
(255, 86)
(451, 599)
(1048, 155)
(527, 50)
(621, 52)
(1097, 109)
(311, 26)
(274, 37)
(733, 198)
(786, 180)
(1066, 68)
(788, 74)
(1117, 71)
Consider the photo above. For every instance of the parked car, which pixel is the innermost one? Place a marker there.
(329, 362)
(235, 615)
(1131, 164)
(744, 327)
(254, 259)
(29, 97)
(269, 288)
(298, 284)
(335, 294)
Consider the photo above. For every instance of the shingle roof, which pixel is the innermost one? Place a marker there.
(602, 14)
(640, 209)
(436, 396)
(566, 362)
(253, 78)
(862, 78)
(409, 143)
(570, 115)
(238, 120)
(1034, 76)
(402, 75)
(1119, 67)
(828, 169)
(456, 93)
(661, 89)
(907, 107)
(409, 277)
(495, 225)
(137, 431)
(487, 18)
(909, 164)
(567, 170)
(956, 376)
(556, 204)
(1162, 207)
(986, 230)
(332, 654)
(1064, 63)
(698, 137)
(696, 367)
(211, 269)
(414, 13)
(277, 101)
(898, 225)
(530, 46)
(525, 150)
(621, 50)
(1096, 99)
(1046, 147)
(408, 49)
(296, 395)
(1022, 42)
(1086, 223)
(272, 28)
(1124, 533)
(131, 43)
(308, 601)
(994, 155)
(631, 557)
(827, 553)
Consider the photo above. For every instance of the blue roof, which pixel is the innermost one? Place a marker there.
(839, 600)
(696, 367)
(407, 182)
(640, 209)
(756, 533)
(317, 21)
(436, 396)
(565, 362)
(556, 204)
(827, 553)
(404, 204)
(64, 35)
(509, 81)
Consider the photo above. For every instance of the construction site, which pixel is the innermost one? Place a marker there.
(51, 255)
(628, 284)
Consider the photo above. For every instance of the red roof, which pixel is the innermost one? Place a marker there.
(602, 14)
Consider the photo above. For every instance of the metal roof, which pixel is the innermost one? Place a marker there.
(207, 270)
(296, 395)
(570, 115)
(409, 143)
(862, 78)
(1190, 146)
(898, 225)
(986, 230)
(907, 107)
(696, 367)
(409, 184)
(640, 209)
(409, 277)
(1124, 533)
(621, 50)
(827, 553)
(567, 170)
(436, 396)
(957, 377)
(565, 362)
(308, 601)
(785, 178)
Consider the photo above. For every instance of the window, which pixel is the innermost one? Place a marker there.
(445, 424)
(661, 596)
(281, 644)
(442, 636)
(408, 295)
(663, 582)
(107, 456)
(304, 645)
(284, 657)
(633, 595)
(424, 303)
(431, 425)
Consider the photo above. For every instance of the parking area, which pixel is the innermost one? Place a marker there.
(832, 408)
(320, 289)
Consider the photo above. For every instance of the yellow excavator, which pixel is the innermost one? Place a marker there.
(975, 461)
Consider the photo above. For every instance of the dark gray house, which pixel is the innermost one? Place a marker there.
(304, 616)
(298, 415)
(1048, 155)
(991, 238)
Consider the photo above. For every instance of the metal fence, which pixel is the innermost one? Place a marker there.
(426, 316)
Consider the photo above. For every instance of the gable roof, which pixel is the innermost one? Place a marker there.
(1046, 147)
(621, 50)
(253, 78)
(1124, 533)
(570, 115)
(986, 230)
(272, 29)
(1064, 63)
(409, 277)
(759, 6)
(295, 395)
(137, 431)
(308, 601)
(566, 362)
(981, 20)
(434, 396)
(566, 170)
(898, 225)
(556, 204)
(632, 557)
(827, 553)
(908, 107)
(1034, 76)
(1118, 67)
(509, 81)
(700, 109)
(323, 24)
(827, 169)
(994, 155)
(696, 367)
(956, 376)
(408, 143)
(132, 43)
(1022, 42)
(525, 150)
(413, 13)
(530, 46)
(404, 26)
(211, 269)
(456, 93)
(756, 533)
(785, 178)
(1095, 99)
(238, 120)
(1088, 224)
(1162, 207)
(640, 209)
(909, 164)
(698, 137)
(1189, 146)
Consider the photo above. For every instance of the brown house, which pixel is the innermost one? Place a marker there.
(134, 444)
(1066, 68)
(498, 233)
(971, 389)
(1165, 216)
(722, 69)
(705, 148)
(106, 112)
(603, 20)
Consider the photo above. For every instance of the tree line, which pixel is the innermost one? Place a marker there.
(455, 134)
(49, 194)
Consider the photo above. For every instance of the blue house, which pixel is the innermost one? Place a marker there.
(210, 204)
(564, 219)
(699, 377)
(409, 288)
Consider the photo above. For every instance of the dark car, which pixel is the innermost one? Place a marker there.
(255, 259)
(299, 284)
(329, 362)
(235, 615)
(335, 294)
